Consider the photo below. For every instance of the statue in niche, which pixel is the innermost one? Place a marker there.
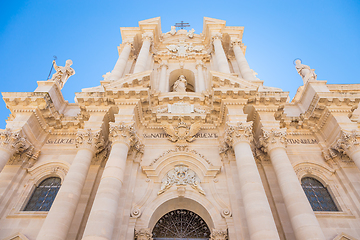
(62, 73)
(305, 72)
(180, 84)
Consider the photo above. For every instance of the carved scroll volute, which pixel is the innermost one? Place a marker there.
(89, 140)
(218, 234)
(241, 132)
(143, 234)
(121, 133)
(12, 141)
(273, 138)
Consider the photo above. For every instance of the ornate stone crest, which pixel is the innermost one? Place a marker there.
(181, 175)
(182, 134)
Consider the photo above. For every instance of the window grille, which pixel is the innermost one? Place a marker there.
(181, 224)
(44, 195)
(318, 195)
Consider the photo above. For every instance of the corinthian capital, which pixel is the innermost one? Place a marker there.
(143, 234)
(218, 234)
(217, 36)
(348, 142)
(121, 132)
(236, 42)
(89, 139)
(272, 139)
(147, 36)
(12, 141)
(241, 132)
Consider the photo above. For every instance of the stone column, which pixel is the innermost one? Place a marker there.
(200, 78)
(164, 82)
(302, 217)
(144, 53)
(350, 144)
(220, 55)
(245, 70)
(217, 234)
(10, 142)
(143, 234)
(102, 217)
(120, 65)
(260, 220)
(60, 216)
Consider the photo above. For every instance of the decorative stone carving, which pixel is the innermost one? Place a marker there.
(12, 141)
(183, 49)
(305, 72)
(172, 31)
(182, 133)
(62, 73)
(89, 139)
(348, 142)
(218, 234)
(136, 212)
(239, 133)
(190, 34)
(147, 36)
(272, 138)
(181, 175)
(225, 213)
(121, 132)
(180, 84)
(143, 234)
(236, 42)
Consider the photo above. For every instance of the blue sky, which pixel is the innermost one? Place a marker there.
(324, 34)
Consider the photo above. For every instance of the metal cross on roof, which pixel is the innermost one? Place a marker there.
(182, 25)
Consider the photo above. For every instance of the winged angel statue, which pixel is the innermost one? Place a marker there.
(182, 134)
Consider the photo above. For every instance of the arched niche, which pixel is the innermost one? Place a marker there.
(180, 203)
(189, 76)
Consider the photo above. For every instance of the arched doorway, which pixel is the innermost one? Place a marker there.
(181, 224)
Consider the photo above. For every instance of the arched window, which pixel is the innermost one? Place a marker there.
(318, 196)
(44, 195)
(181, 224)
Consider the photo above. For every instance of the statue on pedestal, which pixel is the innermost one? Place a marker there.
(180, 84)
(305, 72)
(62, 73)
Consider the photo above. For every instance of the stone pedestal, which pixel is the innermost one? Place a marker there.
(58, 220)
(302, 217)
(257, 209)
(120, 65)
(144, 53)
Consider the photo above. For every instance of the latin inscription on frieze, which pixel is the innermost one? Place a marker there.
(61, 141)
(302, 141)
(164, 135)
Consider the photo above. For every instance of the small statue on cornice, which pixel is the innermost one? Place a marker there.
(180, 84)
(305, 71)
(62, 73)
(172, 31)
(190, 34)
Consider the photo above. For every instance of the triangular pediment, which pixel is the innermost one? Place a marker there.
(208, 20)
(155, 20)
(344, 236)
(18, 236)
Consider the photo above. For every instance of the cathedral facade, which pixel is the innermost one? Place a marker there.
(181, 140)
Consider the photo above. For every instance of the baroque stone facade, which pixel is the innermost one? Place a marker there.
(181, 140)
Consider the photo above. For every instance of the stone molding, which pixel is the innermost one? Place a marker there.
(273, 138)
(218, 234)
(143, 234)
(87, 139)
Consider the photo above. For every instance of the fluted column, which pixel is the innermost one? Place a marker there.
(350, 143)
(302, 217)
(245, 70)
(10, 142)
(60, 216)
(164, 82)
(257, 209)
(143, 234)
(120, 65)
(102, 217)
(200, 78)
(144, 53)
(220, 55)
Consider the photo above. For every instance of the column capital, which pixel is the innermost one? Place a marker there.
(241, 132)
(147, 36)
(348, 143)
(11, 140)
(125, 133)
(236, 42)
(273, 138)
(218, 234)
(217, 36)
(199, 63)
(91, 140)
(164, 63)
(143, 234)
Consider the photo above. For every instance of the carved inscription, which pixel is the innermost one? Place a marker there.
(302, 141)
(61, 141)
(165, 135)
